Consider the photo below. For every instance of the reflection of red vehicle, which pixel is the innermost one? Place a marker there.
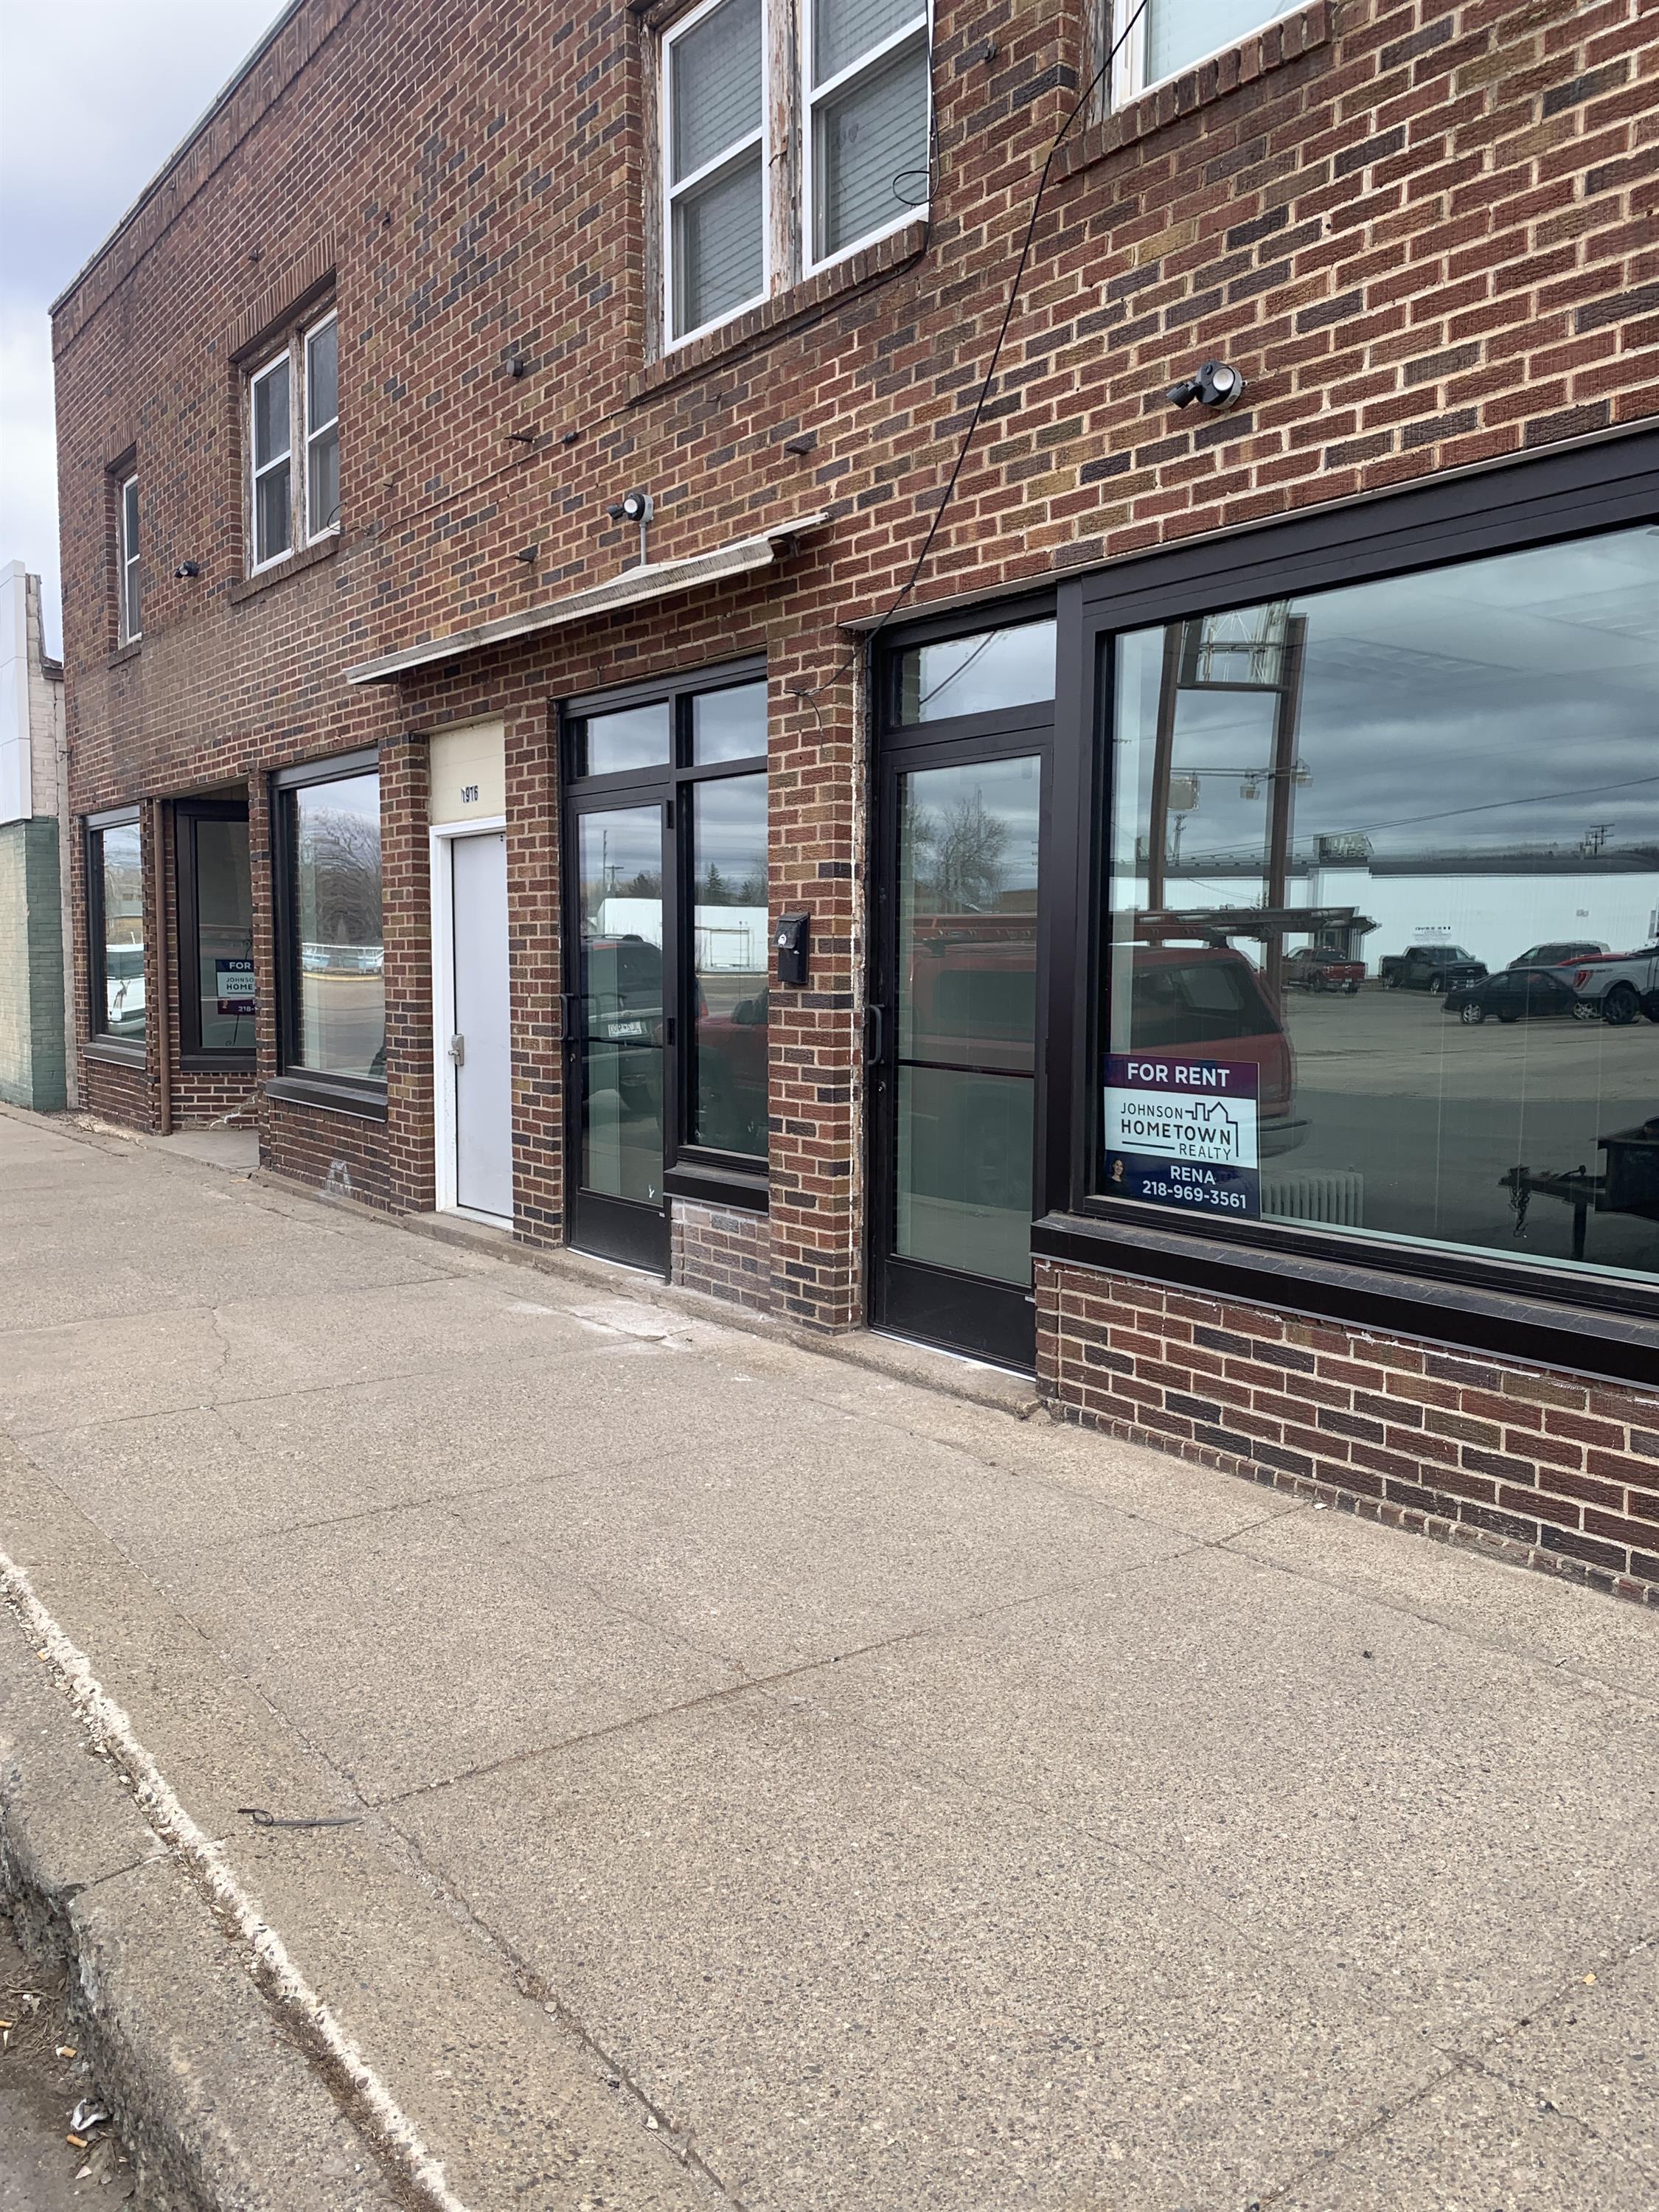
(1209, 1000)
(1316, 967)
(731, 1077)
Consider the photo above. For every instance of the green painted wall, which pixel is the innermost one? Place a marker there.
(31, 967)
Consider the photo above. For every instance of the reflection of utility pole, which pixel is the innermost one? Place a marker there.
(1287, 715)
(1163, 747)
(1595, 838)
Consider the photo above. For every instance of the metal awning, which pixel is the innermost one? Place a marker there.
(652, 579)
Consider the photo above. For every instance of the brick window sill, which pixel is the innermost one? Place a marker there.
(1264, 51)
(312, 556)
(887, 254)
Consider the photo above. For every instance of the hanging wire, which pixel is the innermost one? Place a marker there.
(809, 694)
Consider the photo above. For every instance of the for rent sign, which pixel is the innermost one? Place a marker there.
(1181, 1131)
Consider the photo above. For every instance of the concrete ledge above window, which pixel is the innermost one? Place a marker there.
(1264, 51)
(895, 251)
(308, 556)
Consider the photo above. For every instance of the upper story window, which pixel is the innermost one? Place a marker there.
(127, 586)
(756, 193)
(1168, 36)
(294, 444)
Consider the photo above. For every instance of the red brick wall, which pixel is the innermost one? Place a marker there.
(1551, 1466)
(722, 1251)
(1426, 232)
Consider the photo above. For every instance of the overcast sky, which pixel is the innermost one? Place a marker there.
(94, 95)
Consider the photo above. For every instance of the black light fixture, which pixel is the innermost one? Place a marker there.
(1215, 384)
(637, 507)
(187, 568)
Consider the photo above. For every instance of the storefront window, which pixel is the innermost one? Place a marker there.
(729, 955)
(116, 873)
(980, 675)
(1381, 945)
(333, 869)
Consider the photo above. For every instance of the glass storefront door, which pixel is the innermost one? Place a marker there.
(617, 1027)
(955, 1073)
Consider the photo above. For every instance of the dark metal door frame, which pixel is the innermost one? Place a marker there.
(973, 1315)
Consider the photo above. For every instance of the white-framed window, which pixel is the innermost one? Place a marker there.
(294, 444)
(865, 137)
(271, 450)
(322, 399)
(1170, 36)
(126, 534)
(714, 182)
(793, 132)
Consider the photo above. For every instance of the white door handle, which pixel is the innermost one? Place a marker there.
(457, 1050)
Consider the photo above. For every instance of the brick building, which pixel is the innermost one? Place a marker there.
(588, 710)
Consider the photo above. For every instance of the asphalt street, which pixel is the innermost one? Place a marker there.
(783, 1784)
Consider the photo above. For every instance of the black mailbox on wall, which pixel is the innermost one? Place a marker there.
(793, 937)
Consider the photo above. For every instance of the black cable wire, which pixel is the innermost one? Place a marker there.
(810, 695)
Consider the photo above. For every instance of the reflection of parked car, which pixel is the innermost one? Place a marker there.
(731, 1076)
(623, 976)
(1552, 956)
(1316, 968)
(1619, 986)
(1433, 967)
(1209, 999)
(1516, 995)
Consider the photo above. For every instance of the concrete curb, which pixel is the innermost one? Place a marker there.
(219, 2107)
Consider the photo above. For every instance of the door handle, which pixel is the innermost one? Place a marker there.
(875, 1034)
(457, 1050)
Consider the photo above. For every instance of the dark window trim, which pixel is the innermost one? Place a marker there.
(98, 1040)
(334, 769)
(364, 1096)
(193, 1054)
(1593, 1324)
(689, 1170)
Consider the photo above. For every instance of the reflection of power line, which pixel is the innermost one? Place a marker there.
(1452, 813)
(926, 698)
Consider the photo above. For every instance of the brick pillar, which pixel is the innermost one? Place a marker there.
(406, 922)
(815, 837)
(535, 974)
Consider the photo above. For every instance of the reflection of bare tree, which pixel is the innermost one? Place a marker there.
(958, 855)
(340, 868)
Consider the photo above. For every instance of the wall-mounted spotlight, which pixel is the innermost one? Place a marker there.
(1216, 385)
(637, 507)
(187, 568)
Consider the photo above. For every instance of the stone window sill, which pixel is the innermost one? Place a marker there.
(1264, 51)
(309, 556)
(115, 1055)
(364, 1102)
(123, 653)
(887, 254)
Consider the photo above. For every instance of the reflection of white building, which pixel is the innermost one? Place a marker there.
(1496, 905)
(730, 938)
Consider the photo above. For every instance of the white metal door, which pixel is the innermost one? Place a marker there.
(479, 1049)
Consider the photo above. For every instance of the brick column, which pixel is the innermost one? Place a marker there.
(406, 922)
(815, 838)
(535, 974)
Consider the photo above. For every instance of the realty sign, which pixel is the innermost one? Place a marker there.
(235, 981)
(1181, 1131)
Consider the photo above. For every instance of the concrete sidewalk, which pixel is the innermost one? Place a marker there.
(785, 1786)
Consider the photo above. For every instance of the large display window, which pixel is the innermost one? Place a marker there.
(331, 946)
(1379, 949)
